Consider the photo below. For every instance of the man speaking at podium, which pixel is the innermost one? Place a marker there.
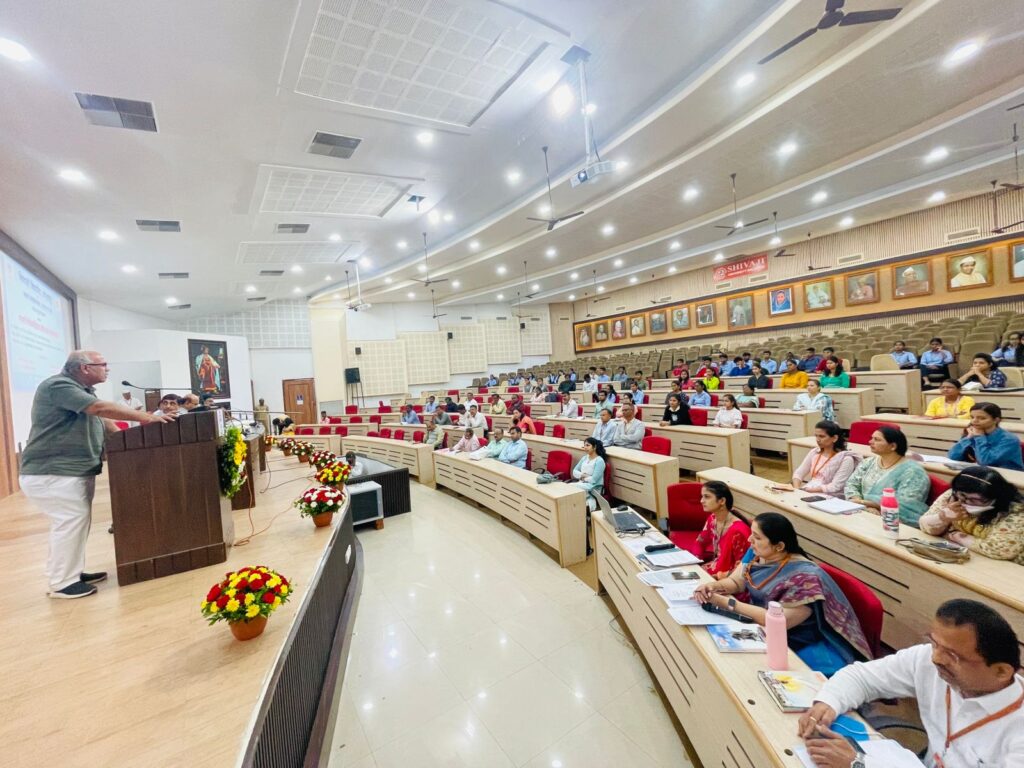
(61, 460)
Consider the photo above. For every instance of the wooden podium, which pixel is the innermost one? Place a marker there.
(168, 513)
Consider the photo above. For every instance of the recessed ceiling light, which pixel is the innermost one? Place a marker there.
(336, 296)
(411, 295)
(129, 269)
(250, 289)
(937, 197)
(535, 287)
(456, 284)
(600, 289)
(14, 51)
(365, 262)
(819, 197)
(671, 270)
(551, 253)
(939, 153)
(572, 297)
(402, 245)
(633, 279)
(719, 256)
(421, 267)
(296, 269)
(500, 296)
(502, 269)
(513, 176)
(474, 245)
(562, 98)
(543, 209)
(574, 276)
(747, 78)
(787, 148)
(621, 165)
(426, 138)
(617, 263)
(327, 278)
(547, 81)
(296, 289)
(775, 240)
(434, 216)
(334, 237)
(690, 194)
(591, 108)
(675, 245)
(170, 300)
(388, 280)
(962, 53)
(608, 229)
(846, 221)
(449, 216)
(107, 234)
(72, 175)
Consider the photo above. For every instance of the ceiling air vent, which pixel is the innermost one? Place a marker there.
(257, 298)
(563, 319)
(757, 279)
(501, 318)
(333, 145)
(723, 286)
(117, 113)
(466, 317)
(292, 229)
(843, 261)
(663, 299)
(271, 272)
(158, 225)
(181, 306)
(172, 275)
(620, 309)
(963, 234)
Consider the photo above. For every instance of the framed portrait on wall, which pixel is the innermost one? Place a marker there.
(637, 326)
(818, 295)
(780, 301)
(913, 279)
(601, 331)
(658, 321)
(969, 270)
(208, 364)
(681, 317)
(741, 310)
(1017, 260)
(862, 288)
(619, 328)
(705, 314)
(584, 336)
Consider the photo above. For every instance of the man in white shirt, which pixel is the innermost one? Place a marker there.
(967, 686)
(629, 431)
(570, 408)
(356, 469)
(474, 420)
(472, 403)
(128, 401)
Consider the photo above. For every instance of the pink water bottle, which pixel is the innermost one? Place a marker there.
(775, 637)
(890, 514)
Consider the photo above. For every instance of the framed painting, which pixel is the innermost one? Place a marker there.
(913, 279)
(969, 270)
(619, 328)
(818, 295)
(1017, 260)
(741, 310)
(705, 314)
(780, 301)
(657, 321)
(208, 367)
(601, 331)
(681, 317)
(862, 288)
(637, 326)
(584, 336)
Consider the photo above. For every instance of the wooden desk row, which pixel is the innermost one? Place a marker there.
(911, 588)
(555, 513)
(417, 457)
(1011, 403)
(934, 436)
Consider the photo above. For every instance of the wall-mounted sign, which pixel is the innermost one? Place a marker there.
(750, 265)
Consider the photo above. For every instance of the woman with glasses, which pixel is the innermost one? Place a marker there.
(1011, 353)
(982, 511)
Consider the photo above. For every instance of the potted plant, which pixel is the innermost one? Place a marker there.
(231, 462)
(245, 599)
(287, 446)
(321, 459)
(320, 504)
(302, 450)
(334, 474)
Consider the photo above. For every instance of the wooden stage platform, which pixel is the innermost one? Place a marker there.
(133, 676)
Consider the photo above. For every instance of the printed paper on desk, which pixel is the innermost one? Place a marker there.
(837, 506)
(672, 557)
(680, 592)
(695, 616)
(637, 546)
(663, 578)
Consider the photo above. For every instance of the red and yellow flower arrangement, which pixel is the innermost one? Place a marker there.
(245, 599)
(287, 446)
(320, 504)
(302, 449)
(334, 474)
(321, 459)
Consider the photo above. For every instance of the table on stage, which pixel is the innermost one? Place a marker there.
(1011, 403)
(695, 448)
(935, 436)
(729, 717)
(556, 513)
(799, 447)
(399, 453)
(910, 587)
(769, 427)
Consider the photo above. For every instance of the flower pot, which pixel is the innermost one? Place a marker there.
(247, 630)
(303, 459)
(286, 451)
(323, 520)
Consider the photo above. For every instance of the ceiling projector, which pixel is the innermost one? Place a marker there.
(361, 305)
(591, 172)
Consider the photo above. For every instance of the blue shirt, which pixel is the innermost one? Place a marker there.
(603, 378)
(999, 448)
(492, 382)
(638, 397)
(700, 399)
(411, 417)
(906, 357)
(572, 376)
(769, 366)
(430, 407)
(727, 368)
(942, 357)
(810, 365)
(604, 432)
(740, 370)
(514, 453)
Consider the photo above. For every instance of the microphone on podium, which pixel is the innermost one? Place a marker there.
(126, 383)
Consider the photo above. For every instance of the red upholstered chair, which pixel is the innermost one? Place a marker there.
(529, 459)
(865, 604)
(444, 440)
(540, 427)
(384, 409)
(770, 383)
(761, 401)
(399, 434)
(744, 421)
(513, 389)
(334, 419)
(385, 432)
(714, 401)
(304, 431)
(579, 411)
(657, 444)
(380, 402)
(526, 410)
(937, 487)
(358, 420)
(375, 419)
(853, 380)
(482, 390)
(686, 517)
(608, 481)
(454, 392)
(418, 408)
(640, 413)
(324, 430)
(349, 409)
(483, 441)
(860, 431)
(490, 422)
(559, 463)
(558, 431)
(418, 436)
(372, 433)
(343, 431)
(648, 431)
(121, 424)
(699, 417)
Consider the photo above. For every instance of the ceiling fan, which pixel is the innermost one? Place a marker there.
(782, 251)
(426, 269)
(589, 313)
(526, 281)
(1016, 162)
(433, 307)
(835, 16)
(810, 262)
(996, 229)
(738, 223)
(555, 220)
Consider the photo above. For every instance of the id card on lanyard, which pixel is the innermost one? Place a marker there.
(951, 736)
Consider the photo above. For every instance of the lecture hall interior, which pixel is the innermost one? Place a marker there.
(512, 384)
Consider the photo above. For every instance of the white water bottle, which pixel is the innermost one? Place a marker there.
(775, 637)
(890, 514)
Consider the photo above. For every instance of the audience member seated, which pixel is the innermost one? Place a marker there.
(588, 473)
(951, 404)
(514, 451)
(538, 396)
(555, 378)
(982, 511)
(758, 378)
(497, 406)
(409, 416)
(904, 357)
(809, 362)
(829, 465)
(191, 401)
(524, 422)
(434, 435)
(964, 674)
(626, 397)
(677, 413)
(889, 467)
(723, 365)
(567, 385)
(826, 353)
(986, 442)
(492, 380)
(700, 397)
(834, 377)
(711, 380)
(726, 536)
(474, 420)
(450, 406)
(604, 430)
(768, 365)
(983, 374)
(472, 401)
(588, 384)
(749, 397)
(609, 391)
(603, 403)
(324, 418)
(492, 450)
(935, 361)
(620, 375)
(640, 379)
(629, 431)
(169, 407)
(516, 403)
(636, 394)
(467, 444)
(675, 389)
(680, 367)
(1010, 354)
(823, 629)
(704, 369)
(740, 367)
(815, 400)
(442, 418)
(573, 376)
(728, 416)
(431, 405)
(570, 408)
(513, 380)
(793, 378)
(685, 382)
(356, 468)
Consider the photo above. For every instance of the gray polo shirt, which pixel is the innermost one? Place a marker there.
(64, 439)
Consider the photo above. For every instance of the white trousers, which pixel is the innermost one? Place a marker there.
(67, 501)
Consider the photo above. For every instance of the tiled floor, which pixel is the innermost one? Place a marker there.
(473, 649)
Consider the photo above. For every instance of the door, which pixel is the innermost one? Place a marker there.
(300, 400)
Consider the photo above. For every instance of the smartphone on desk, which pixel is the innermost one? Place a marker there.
(812, 498)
